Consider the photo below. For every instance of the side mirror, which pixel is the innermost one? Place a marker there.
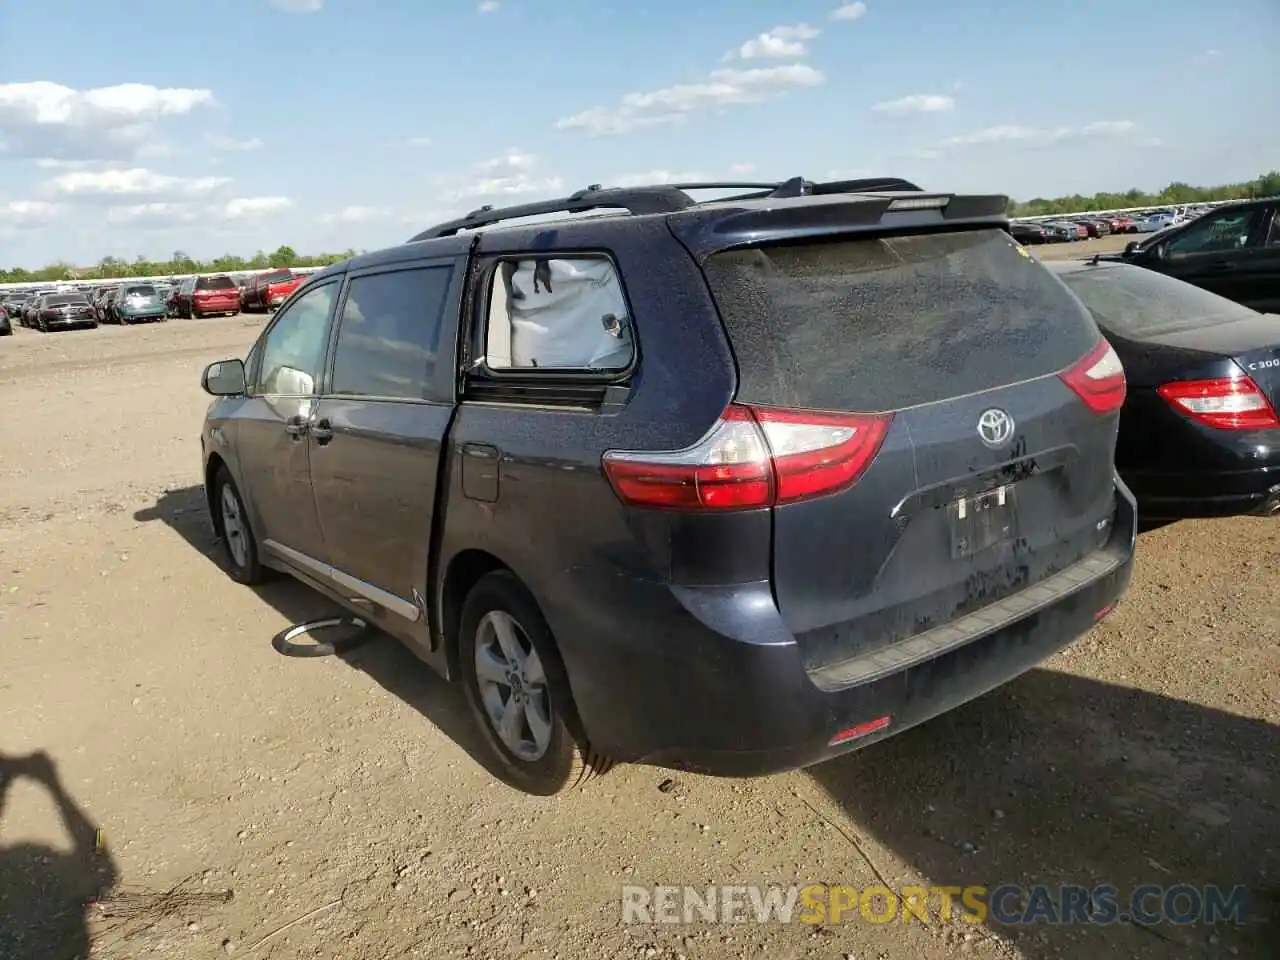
(224, 378)
(1130, 248)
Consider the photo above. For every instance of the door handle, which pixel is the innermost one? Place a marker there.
(1220, 266)
(322, 430)
(296, 426)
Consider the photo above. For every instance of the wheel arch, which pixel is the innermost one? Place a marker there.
(211, 468)
(465, 570)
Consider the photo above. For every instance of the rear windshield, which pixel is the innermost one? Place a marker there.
(279, 276)
(1136, 302)
(887, 323)
(215, 283)
(61, 299)
(140, 292)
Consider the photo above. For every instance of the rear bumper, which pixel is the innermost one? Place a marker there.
(709, 679)
(216, 306)
(1206, 495)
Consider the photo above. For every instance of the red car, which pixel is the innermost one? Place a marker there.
(203, 296)
(1125, 225)
(268, 290)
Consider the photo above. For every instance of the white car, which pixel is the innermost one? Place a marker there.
(1157, 221)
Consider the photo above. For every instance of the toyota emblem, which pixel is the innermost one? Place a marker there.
(995, 427)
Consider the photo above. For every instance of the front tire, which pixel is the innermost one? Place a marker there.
(240, 549)
(518, 690)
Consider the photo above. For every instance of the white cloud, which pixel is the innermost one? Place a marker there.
(849, 11)
(1018, 134)
(419, 141)
(785, 42)
(916, 103)
(512, 174)
(355, 214)
(234, 144)
(53, 163)
(152, 215)
(488, 6)
(742, 168)
(653, 177)
(1206, 56)
(297, 6)
(136, 183)
(28, 214)
(253, 208)
(723, 88)
(45, 119)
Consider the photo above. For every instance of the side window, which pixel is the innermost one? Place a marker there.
(558, 314)
(293, 352)
(1225, 232)
(389, 332)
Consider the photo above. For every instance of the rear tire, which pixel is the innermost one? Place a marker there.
(511, 668)
(239, 547)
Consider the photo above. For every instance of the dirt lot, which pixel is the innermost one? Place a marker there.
(338, 801)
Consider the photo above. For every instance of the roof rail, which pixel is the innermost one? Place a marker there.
(658, 198)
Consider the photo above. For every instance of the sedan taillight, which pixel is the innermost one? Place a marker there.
(1227, 403)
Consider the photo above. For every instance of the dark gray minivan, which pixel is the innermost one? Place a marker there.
(730, 486)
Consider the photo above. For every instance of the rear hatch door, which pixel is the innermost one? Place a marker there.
(993, 474)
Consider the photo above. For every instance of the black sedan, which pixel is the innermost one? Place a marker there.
(1199, 432)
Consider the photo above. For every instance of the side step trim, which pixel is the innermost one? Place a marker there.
(364, 592)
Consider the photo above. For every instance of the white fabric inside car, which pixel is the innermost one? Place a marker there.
(568, 314)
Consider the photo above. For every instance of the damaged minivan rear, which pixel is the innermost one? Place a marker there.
(919, 450)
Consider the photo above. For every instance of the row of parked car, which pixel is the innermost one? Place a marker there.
(143, 302)
(1070, 229)
(741, 485)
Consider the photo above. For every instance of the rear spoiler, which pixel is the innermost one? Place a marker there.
(712, 228)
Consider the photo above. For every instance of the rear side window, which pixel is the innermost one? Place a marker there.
(885, 323)
(558, 313)
(389, 333)
(215, 283)
(1135, 302)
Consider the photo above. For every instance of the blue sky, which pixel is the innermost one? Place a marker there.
(131, 128)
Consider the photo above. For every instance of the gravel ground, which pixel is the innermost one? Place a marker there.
(255, 805)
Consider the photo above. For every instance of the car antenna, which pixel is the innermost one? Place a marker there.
(1094, 259)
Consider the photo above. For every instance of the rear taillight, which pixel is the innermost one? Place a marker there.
(1098, 379)
(752, 457)
(1228, 403)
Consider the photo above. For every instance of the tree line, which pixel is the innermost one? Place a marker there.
(179, 263)
(1176, 193)
(1266, 185)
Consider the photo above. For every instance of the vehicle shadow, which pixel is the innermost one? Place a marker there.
(45, 892)
(383, 658)
(1057, 779)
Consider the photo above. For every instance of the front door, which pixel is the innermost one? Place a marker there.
(274, 424)
(1216, 252)
(378, 432)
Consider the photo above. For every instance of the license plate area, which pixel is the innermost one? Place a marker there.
(982, 521)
